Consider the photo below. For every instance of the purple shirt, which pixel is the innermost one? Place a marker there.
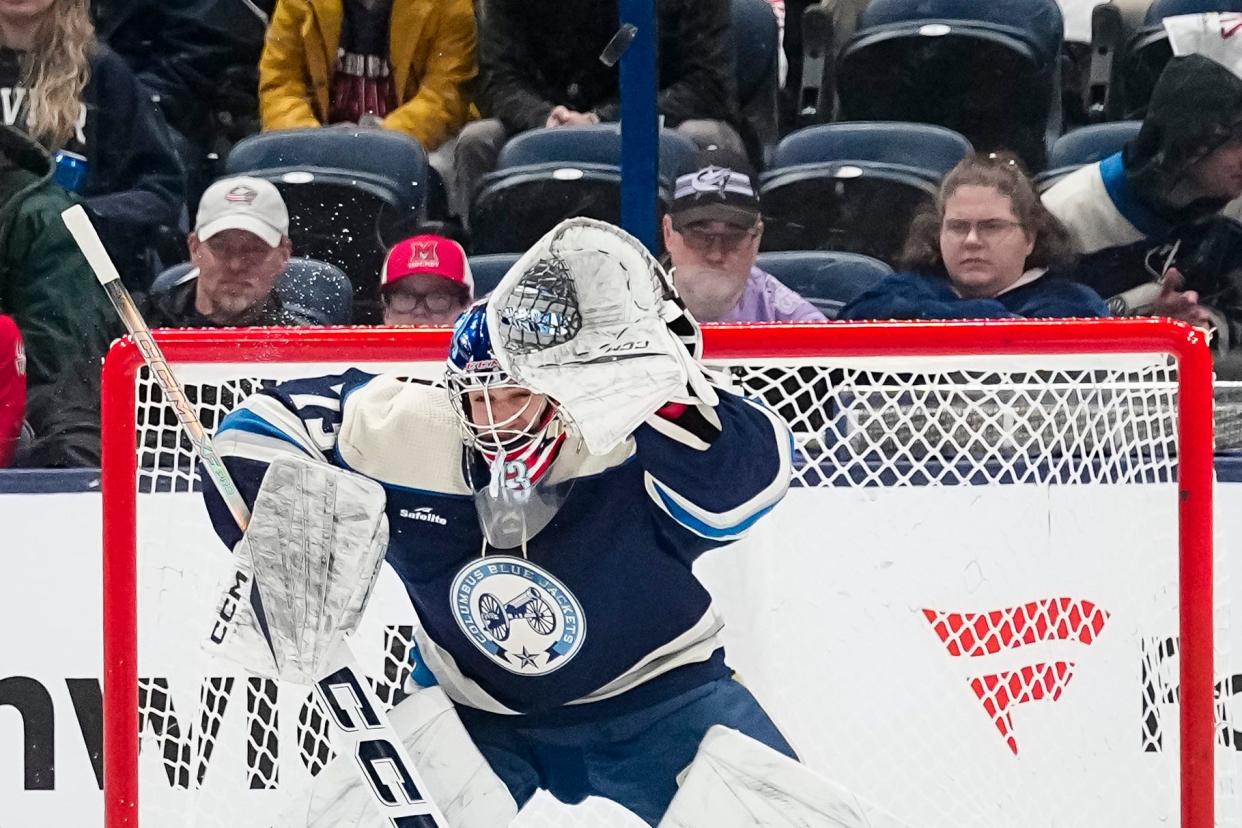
(764, 299)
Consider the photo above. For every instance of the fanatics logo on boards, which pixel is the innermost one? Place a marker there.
(980, 634)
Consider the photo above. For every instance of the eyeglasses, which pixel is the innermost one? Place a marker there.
(730, 241)
(986, 230)
(438, 302)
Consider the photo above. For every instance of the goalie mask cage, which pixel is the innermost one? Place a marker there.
(986, 601)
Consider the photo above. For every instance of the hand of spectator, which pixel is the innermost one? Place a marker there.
(564, 116)
(581, 118)
(1176, 303)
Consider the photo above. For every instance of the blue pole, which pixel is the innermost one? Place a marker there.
(640, 133)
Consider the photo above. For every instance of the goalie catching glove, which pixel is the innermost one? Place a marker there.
(589, 318)
(313, 549)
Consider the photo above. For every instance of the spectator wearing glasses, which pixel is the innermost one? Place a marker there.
(985, 252)
(426, 280)
(712, 232)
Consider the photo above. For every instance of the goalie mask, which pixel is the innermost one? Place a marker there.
(515, 435)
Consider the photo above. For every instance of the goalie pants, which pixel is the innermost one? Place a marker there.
(632, 758)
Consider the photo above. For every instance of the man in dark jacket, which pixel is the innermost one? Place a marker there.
(1143, 219)
(195, 55)
(47, 287)
(241, 274)
(539, 66)
(135, 182)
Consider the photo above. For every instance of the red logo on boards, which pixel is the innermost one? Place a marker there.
(978, 634)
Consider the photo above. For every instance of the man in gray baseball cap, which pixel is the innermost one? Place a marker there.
(712, 232)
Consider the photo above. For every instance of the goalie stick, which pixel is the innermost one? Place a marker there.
(346, 695)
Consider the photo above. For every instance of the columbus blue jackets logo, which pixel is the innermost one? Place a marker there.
(524, 619)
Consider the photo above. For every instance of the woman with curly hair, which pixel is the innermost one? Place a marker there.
(80, 101)
(986, 251)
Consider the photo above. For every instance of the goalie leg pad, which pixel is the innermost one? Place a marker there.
(458, 778)
(738, 782)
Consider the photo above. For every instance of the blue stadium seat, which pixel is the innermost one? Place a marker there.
(930, 151)
(829, 281)
(989, 70)
(489, 270)
(756, 49)
(1148, 50)
(854, 186)
(546, 175)
(171, 277)
(315, 289)
(351, 193)
(598, 144)
(1085, 145)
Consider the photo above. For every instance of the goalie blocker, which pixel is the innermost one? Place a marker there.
(547, 539)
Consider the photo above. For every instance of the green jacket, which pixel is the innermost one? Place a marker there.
(48, 288)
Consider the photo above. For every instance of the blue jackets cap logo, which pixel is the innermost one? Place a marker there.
(521, 617)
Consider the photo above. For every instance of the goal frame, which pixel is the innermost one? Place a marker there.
(1186, 345)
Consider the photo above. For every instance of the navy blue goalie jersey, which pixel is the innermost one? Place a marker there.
(601, 600)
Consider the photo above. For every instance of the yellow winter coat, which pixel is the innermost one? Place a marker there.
(431, 49)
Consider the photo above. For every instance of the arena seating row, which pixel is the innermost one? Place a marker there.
(920, 83)
(847, 186)
(827, 279)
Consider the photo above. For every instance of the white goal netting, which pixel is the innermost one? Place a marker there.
(966, 610)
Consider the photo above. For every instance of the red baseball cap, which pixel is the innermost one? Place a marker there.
(430, 255)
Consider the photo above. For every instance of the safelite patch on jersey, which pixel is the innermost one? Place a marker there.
(524, 619)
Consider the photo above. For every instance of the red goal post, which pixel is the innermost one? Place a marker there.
(797, 345)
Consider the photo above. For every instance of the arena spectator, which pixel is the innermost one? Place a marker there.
(77, 96)
(1137, 217)
(426, 280)
(49, 290)
(539, 66)
(180, 49)
(12, 388)
(200, 60)
(406, 65)
(712, 232)
(984, 253)
(240, 246)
